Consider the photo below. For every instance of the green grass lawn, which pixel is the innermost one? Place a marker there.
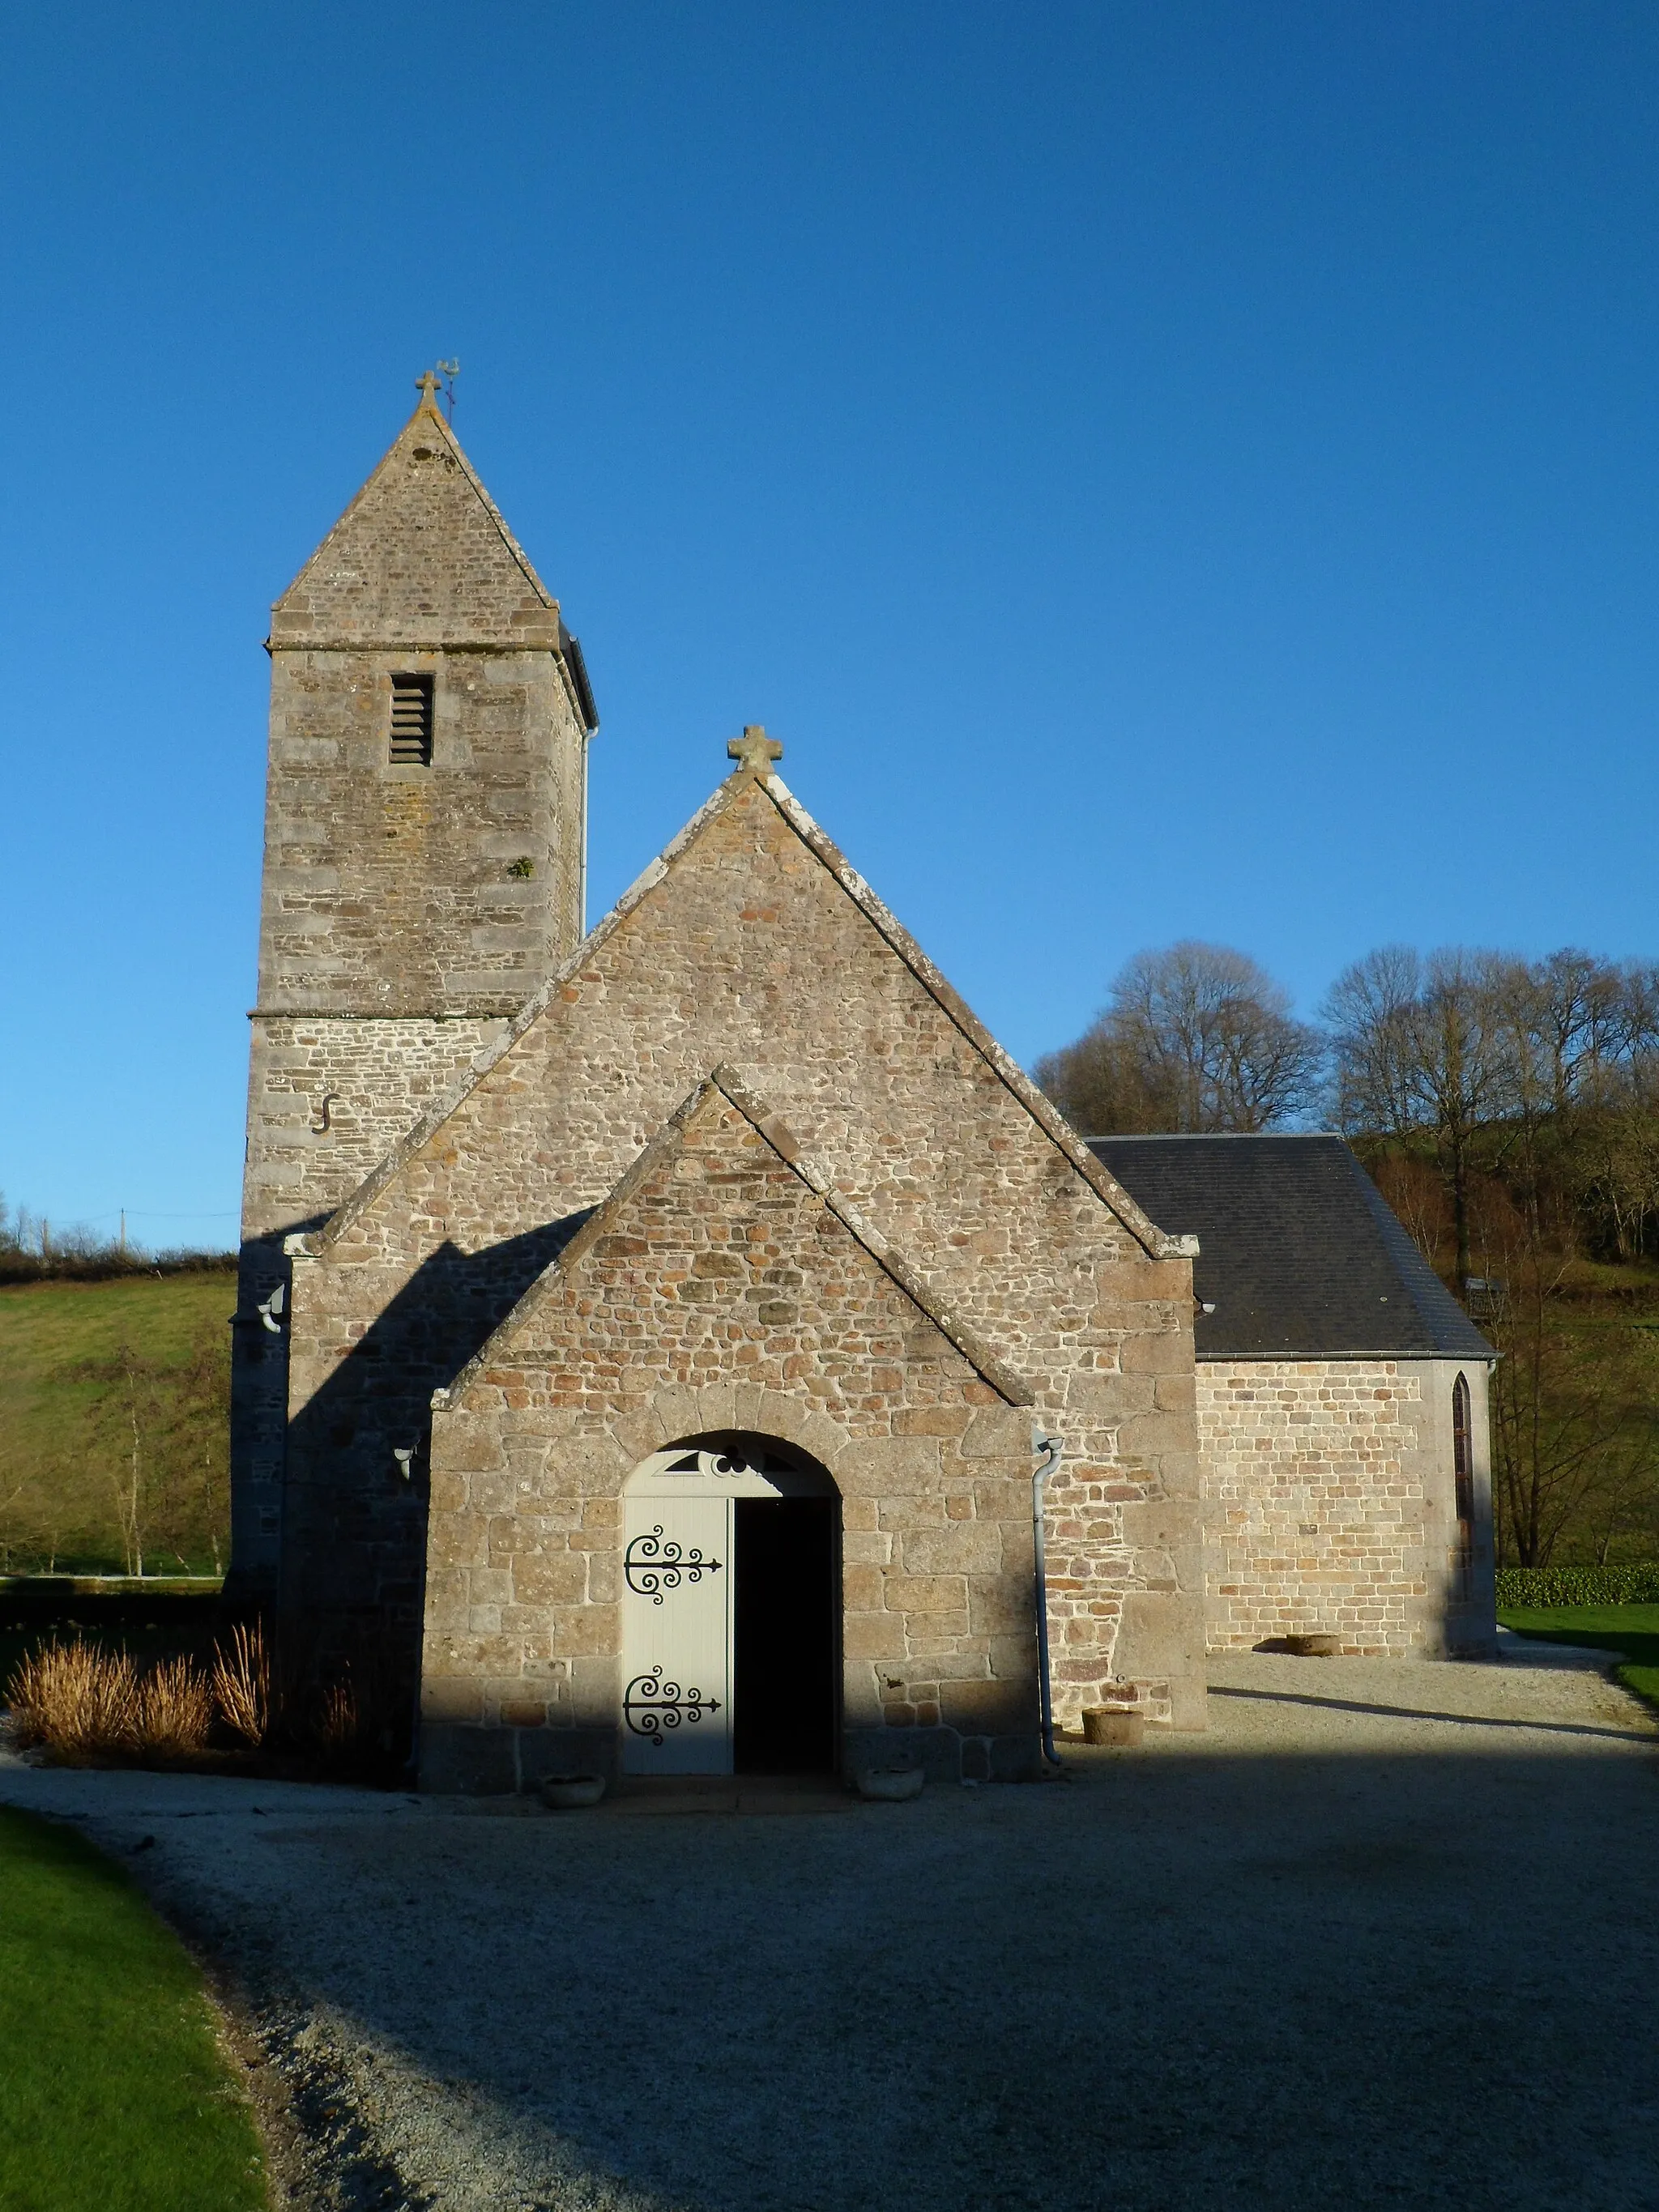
(1631, 1629)
(113, 2091)
(68, 1408)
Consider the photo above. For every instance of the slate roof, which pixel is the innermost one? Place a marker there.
(1298, 1252)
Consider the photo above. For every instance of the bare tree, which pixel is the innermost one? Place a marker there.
(127, 1477)
(1615, 1164)
(195, 1501)
(1558, 1025)
(1638, 1014)
(1418, 1194)
(1545, 1070)
(1421, 1047)
(1581, 1020)
(1562, 1429)
(12, 1494)
(1196, 1037)
(1102, 1088)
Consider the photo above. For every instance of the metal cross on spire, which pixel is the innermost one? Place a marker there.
(754, 751)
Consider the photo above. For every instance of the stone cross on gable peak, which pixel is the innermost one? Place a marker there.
(754, 751)
(427, 385)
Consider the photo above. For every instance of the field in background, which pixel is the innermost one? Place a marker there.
(114, 1414)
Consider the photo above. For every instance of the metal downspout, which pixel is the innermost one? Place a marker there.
(1051, 1448)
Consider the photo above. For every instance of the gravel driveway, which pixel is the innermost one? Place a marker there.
(1386, 1936)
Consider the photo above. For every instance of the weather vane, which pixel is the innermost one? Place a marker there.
(445, 373)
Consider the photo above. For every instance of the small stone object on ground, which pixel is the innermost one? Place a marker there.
(1111, 1724)
(1319, 1646)
(564, 1793)
(890, 1785)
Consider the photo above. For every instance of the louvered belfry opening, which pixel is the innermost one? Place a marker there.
(411, 721)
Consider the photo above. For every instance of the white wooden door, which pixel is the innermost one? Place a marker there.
(676, 1635)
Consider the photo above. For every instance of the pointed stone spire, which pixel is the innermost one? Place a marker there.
(421, 556)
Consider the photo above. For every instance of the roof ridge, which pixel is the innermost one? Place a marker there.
(724, 1081)
(1216, 1136)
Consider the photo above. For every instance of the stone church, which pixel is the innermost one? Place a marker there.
(661, 1349)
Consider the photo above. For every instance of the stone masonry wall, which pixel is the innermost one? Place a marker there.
(721, 1291)
(390, 889)
(329, 1097)
(751, 947)
(372, 1079)
(422, 553)
(1329, 1504)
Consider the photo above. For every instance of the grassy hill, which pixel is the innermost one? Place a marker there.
(114, 1415)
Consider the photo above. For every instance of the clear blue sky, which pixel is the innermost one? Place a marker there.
(1163, 470)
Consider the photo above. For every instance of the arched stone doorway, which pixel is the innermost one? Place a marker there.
(731, 1604)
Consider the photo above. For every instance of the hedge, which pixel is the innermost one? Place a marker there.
(1636, 1585)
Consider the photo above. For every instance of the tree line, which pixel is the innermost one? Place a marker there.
(31, 1251)
(1508, 1108)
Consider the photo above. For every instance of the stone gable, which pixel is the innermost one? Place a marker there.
(725, 1284)
(693, 1268)
(744, 942)
(774, 861)
(753, 943)
(420, 557)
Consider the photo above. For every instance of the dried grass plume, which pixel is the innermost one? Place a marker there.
(241, 1684)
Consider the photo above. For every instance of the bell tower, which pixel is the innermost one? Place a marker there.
(425, 833)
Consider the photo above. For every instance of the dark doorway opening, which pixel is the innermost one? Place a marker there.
(786, 1607)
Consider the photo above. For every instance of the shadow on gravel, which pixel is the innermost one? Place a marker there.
(1415, 1713)
(1184, 1979)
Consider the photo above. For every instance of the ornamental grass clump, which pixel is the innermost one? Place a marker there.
(340, 1722)
(77, 1699)
(241, 1686)
(175, 1710)
(80, 1701)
